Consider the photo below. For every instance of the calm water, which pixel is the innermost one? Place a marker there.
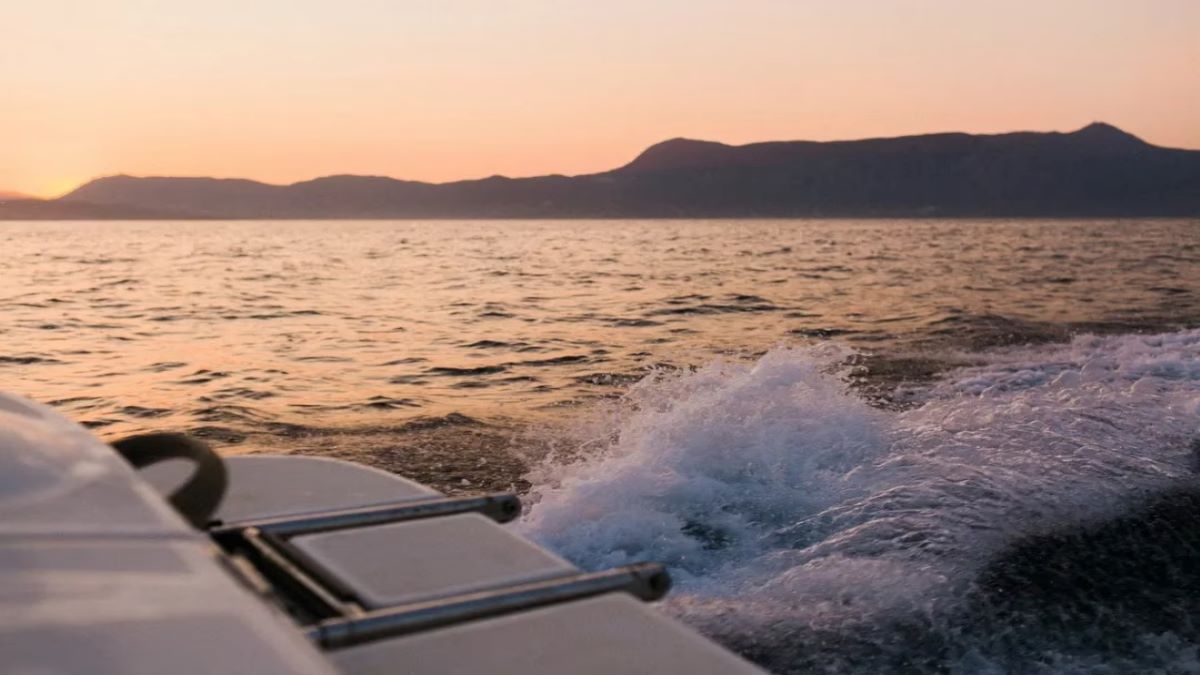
(135, 325)
(839, 428)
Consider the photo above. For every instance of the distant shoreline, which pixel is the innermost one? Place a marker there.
(1098, 171)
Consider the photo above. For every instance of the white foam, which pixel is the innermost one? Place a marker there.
(772, 490)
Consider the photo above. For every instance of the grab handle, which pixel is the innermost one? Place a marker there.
(197, 499)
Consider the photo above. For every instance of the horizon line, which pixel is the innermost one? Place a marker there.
(20, 195)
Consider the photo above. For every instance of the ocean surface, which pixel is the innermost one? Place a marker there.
(930, 446)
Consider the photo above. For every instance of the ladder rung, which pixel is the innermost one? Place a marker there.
(647, 581)
(499, 507)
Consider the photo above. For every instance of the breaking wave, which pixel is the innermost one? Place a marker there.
(811, 530)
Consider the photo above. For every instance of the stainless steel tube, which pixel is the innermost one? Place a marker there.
(647, 581)
(499, 507)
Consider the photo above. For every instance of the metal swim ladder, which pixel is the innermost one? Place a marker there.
(334, 615)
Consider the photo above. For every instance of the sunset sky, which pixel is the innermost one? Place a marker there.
(284, 90)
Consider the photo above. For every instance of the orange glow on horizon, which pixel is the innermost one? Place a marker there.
(56, 188)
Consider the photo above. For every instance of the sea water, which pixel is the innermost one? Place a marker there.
(851, 441)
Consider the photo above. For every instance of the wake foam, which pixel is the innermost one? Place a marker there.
(785, 504)
(703, 463)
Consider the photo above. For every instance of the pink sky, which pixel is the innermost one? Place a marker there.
(287, 90)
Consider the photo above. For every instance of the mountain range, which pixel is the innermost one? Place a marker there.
(1096, 171)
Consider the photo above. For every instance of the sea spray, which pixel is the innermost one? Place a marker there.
(788, 508)
(703, 465)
